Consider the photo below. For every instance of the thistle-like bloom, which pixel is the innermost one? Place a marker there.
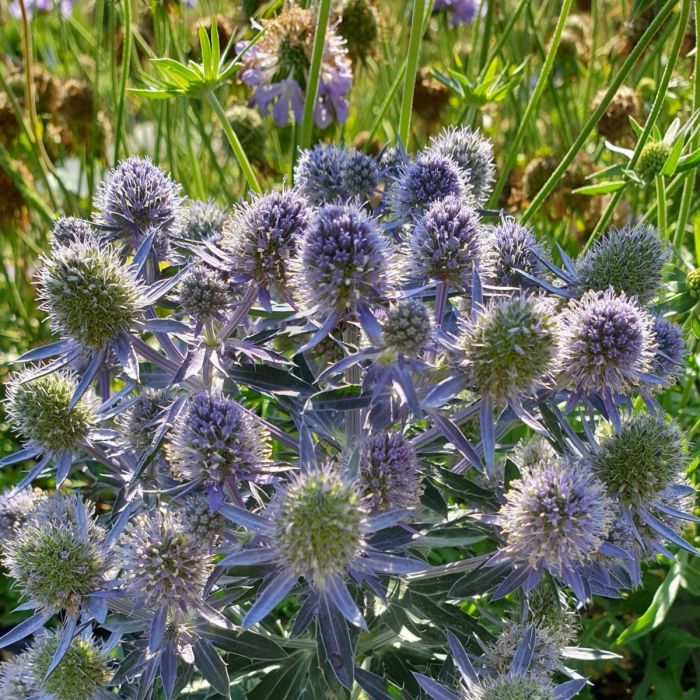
(408, 328)
(555, 518)
(513, 248)
(217, 443)
(512, 347)
(204, 293)
(670, 351)
(344, 262)
(359, 176)
(262, 237)
(319, 173)
(608, 344)
(473, 153)
(461, 11)
(431, 178)
(58, 558)
(70, 228)
(277, 68)
(82, 673)
(89, 293)
(652, 159)
(17, 678)
(16, 508)
(446, 244)
(136, 199)
(164, 566)
(139, 423)
(629, 260)
(391, 479)
(199, 519)
(203, 221)
(529, 451)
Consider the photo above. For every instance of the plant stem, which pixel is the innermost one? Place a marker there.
(235, 144)
(126, 62)
(307, 123)
(532, 104)
(661, 205)
(503, 36)
(411, 70)
(588, 127)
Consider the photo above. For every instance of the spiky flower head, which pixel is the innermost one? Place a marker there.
(343, 261)
(138, 424)
(199, 519)
(532, 450)
(512, 248)
(70, 228)
(80, 675)
(250, 128)
(163, 562)
(512, 347)
(671, 350)
(446, 244)
(389, 473)
(607, 342)
(550, 610)
(526, 687)
(652, 159)
(17, 678)
(693, 283)
(359, 26)
(408, 328)
(319, 173)
(57, 558)
(430, 178)
(215, 439)
(38, 408)
(319, 525)
(555, 516)
(204, 293)
(359, 175)
(614, 124)
(16, 509)
(89, 293)
(262, 236)
(639, 461)
(203, 221)
(137, 198)
(277, 68)
(629, 260)
(473, 153)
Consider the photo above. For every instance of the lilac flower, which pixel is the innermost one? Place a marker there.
(262, 237)
(608, 344)
(461, 11)
(431, 178)
(319, 173)
(277, 68)
(555, 518)
(473, 154)
(670, 351)
(218, 444)
(446, 244)
(389, 472)
(138, 199)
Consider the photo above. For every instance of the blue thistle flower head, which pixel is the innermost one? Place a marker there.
(431, 178)
(473, 153)
(343, 261)
(70, 228)
(629, 260)
(670, 351)
(445, 244)
(389, 473)
(17, 678)
(203, 221)
(138, 424)
(163, 563)
(408, 328)
(262, 237)
(319, 173)
(555, 517)
(513, 247)
(136, 198)
(216, 442)
(15, 509)
(359, 175)
(607, 342)
(204, 293)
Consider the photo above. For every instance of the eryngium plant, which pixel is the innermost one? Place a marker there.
(285, 423)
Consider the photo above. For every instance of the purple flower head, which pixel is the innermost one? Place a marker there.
(389, 472)
(163, 563)
(343, 261)
(473, 154)
(461, 11)
(262, 237)
(218, 443)
(513, 247)
(431, 178)
(137, 198)
(70, 228)
(204, 293)
(445, 244)
(408, 328)
(319, 173)
(203, 221)
(555, 517)
(670, 351)
(607, 342)
(277, 68)
(359, 175)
